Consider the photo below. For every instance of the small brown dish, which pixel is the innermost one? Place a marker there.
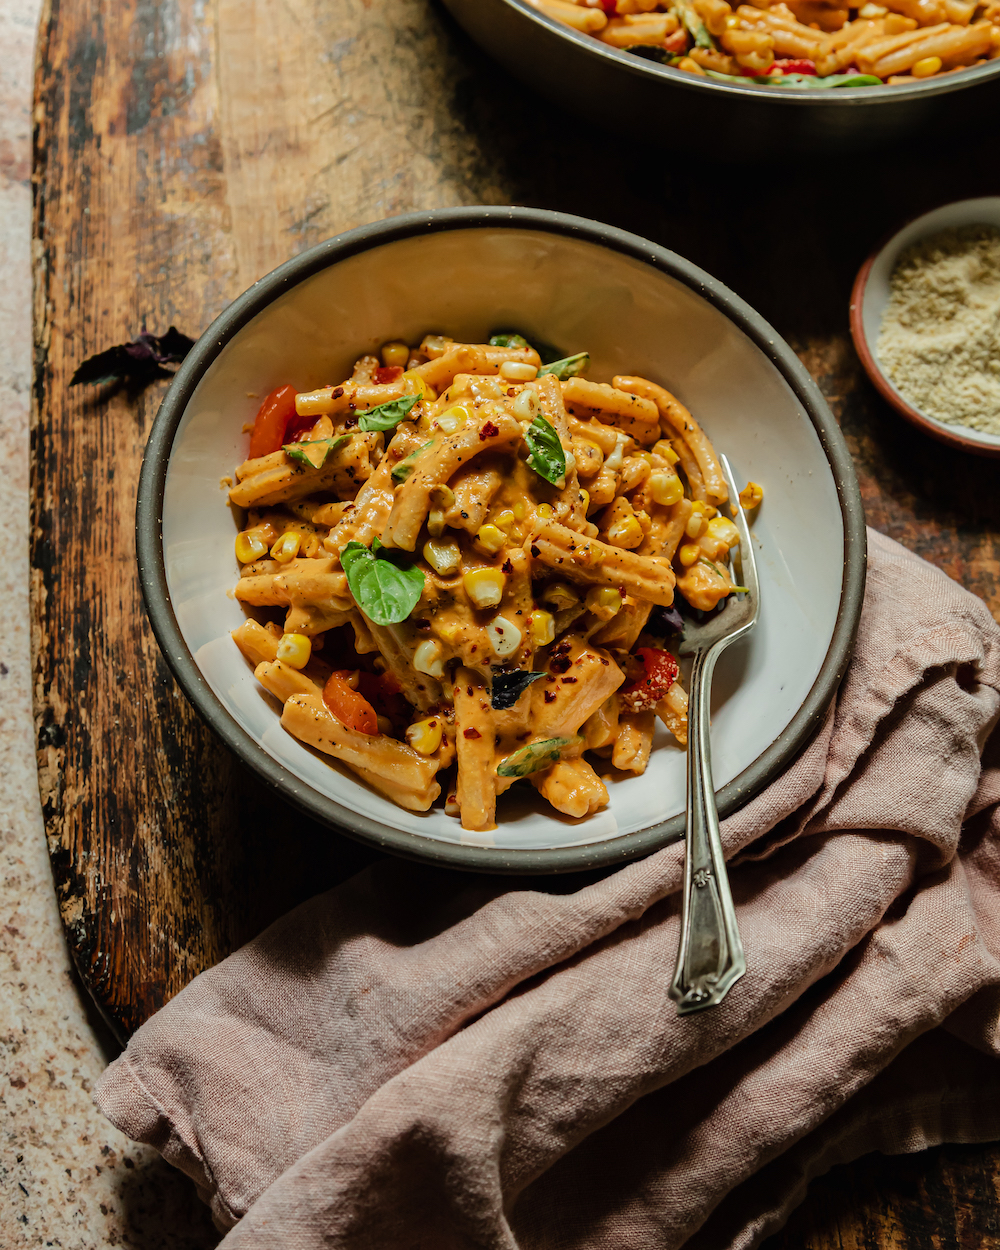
(871, 294)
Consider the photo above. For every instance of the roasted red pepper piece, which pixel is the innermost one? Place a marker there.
(387, 373)
(647, 688)
(277, 423)
(795, 66)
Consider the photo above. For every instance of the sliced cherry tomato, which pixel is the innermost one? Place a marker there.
(387, 373)
(610, 7)
(349, 707)
(647, 688)
(277, 421)
(801, 65)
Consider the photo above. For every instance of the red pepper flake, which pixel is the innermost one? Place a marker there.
(489, 430)
(535, 551)
(350, 421)
(338, 393)
(569, 681)
(549, 696)
(385, 374)
(471, 733)
(507, 567)
(559, 664)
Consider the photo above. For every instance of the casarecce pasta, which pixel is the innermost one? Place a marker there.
(795, 43)
(475, 555)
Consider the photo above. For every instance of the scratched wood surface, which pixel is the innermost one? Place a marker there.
(184, 148)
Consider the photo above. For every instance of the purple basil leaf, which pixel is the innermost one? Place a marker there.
(665, 621)
(138, 361)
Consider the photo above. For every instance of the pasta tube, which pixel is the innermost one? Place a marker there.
(475, 741)
(592, 562)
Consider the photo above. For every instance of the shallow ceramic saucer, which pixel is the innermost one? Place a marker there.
(871, 295)
(637, 308)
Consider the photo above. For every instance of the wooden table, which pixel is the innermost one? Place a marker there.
(182, 150)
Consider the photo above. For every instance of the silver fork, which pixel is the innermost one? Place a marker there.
(710, 957)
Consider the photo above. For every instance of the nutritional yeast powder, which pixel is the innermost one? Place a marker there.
(939, 341)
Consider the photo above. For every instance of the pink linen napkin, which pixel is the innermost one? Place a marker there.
(424, 1059)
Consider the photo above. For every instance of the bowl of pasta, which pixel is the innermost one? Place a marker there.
(776, 77)
(470, 493)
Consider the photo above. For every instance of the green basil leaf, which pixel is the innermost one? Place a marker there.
(508, 338)
(547, 456)
(810, 81)
(315, 454)
(405, 467)
(534, 757)
(568, 367)
(384, 586)
(507, 688)
(814, 83)
(387, 416)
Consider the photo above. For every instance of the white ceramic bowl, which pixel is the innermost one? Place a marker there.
(871, 295)
(577, 284)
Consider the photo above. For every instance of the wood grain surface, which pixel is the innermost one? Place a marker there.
(184, 148)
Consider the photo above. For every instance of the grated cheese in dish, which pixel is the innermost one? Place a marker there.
(939, 342)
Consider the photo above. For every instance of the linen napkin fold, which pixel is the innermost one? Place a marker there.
(420, 1058)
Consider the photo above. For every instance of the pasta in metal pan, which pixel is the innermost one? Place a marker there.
(475, 552)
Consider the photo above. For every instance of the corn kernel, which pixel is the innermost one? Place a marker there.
(666, 488)
(543, 628)
(453, 419)
(560, 596)
(664, 448)
(312, 546)
(287, 546)
(520, 510)
(751, 495)
(249, 547)
(425, 735)
(585, 500)
(604, 602)
(484, 586)
(395, 353)
(526, 405)
(427, 658)
(441, 499)
(415, 385)
(449, 631)
(731, 21)
(696, 525)
(518, 371)
(294, 650)
(690, 553)
(690, 65)
(504, 520)
(625, 533)
(504, 636)
(926, 67)
(443, 557)
(491, 539)
(724, 530)
(545, 511)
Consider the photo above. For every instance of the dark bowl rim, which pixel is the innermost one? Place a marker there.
(152, 572)
(869, 359)
(801, 97)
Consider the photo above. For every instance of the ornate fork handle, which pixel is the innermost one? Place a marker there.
(710, 959)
